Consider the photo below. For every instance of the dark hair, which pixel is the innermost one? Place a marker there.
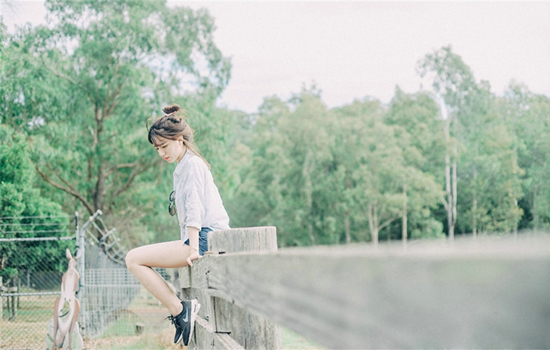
(171, 126)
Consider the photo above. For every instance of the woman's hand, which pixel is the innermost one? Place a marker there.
(193, 256)
(193, 244)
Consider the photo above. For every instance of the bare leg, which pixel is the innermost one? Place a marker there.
(169, 255)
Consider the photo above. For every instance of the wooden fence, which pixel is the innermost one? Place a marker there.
(487, 293)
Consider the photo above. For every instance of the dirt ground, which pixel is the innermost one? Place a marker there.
(164, 340)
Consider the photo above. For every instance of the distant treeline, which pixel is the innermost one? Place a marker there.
(75, 96)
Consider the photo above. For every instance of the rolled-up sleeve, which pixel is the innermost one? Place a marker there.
(192, 196)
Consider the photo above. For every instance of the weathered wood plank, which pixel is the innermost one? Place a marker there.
(206, 338)
(245, 328)
(483, 295)
(203, 338)
(248, 330)
(243, 239)
(194, 277)
(207, 310)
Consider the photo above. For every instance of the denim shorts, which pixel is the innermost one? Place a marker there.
(203, 240)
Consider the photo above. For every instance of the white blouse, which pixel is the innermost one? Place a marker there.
(198, 201)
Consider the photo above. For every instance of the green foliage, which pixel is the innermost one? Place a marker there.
(83, 86)
(19, 198)
(76, 93)
(323, 177)
(480, 147)
(527, 117)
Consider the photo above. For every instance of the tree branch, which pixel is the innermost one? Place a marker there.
(69, 79)
(110, 138)
(114, 103)
(389, 221)
(129, 181)
(111, 102)
(94, 136)
(120, 166)
(69, 189)
(445, 205)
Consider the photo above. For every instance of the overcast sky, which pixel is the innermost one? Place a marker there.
(357, 49)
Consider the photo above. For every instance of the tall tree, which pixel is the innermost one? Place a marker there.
(417, 117)
(20, 205)
(350, 128)
(527, 115)
(259, 196)
(100, 70)
(454, 81)
(480, 144)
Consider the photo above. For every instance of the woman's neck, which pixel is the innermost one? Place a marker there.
(182, 154)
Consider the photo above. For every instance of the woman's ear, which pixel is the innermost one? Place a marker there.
(180, 138)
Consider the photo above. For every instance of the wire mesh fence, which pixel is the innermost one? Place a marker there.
(33, 260)
(110, 288)
(32, 253)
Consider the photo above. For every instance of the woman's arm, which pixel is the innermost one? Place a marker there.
(193, 244)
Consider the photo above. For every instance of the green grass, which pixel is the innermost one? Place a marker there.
(291, 340)
(124, 325)
(32, 308)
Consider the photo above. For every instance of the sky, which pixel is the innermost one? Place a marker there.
(354, 49)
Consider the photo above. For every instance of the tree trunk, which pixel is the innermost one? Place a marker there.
(474, 205)
(373, 223)
(404, 225)
(535, 210)
(311, 234)
(515, 174)
(450, 201)
(474, 213)
(99, 192)
(308, 189)
(455, 195)
(347, 229)
(515, 220)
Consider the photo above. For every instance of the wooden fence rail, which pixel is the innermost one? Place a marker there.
(467, 294)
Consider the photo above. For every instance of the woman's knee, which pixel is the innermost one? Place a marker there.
(131, 259)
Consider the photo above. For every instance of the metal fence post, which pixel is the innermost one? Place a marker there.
(81, 242)
(82, 263)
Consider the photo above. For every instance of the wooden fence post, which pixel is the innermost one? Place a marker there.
(12, 306)
(221, 324)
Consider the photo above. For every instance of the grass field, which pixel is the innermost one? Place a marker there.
(28, 330)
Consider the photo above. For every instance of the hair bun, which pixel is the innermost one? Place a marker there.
(171, 109)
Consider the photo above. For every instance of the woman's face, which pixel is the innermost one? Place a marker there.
(171, 150)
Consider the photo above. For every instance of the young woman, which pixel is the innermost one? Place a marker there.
(199, 208)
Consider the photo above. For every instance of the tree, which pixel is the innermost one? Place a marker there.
(526, 114)
(480, 143)
(417, 115)
(350, 127)
(454, 81)
(20, 201)
(256, 199)
(98, 71)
